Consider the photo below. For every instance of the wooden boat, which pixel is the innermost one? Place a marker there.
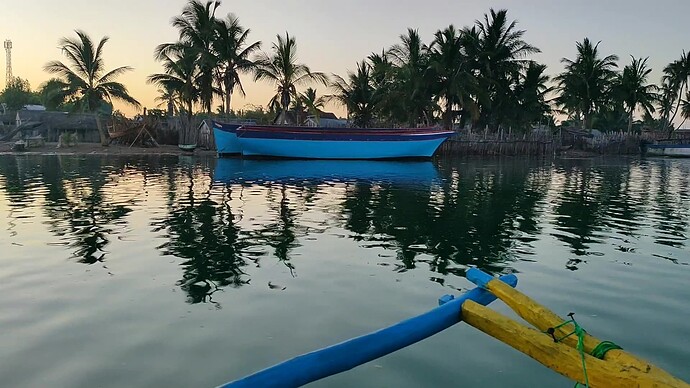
(559, 344)
(226, 138)
(675, 147)
(339, 143)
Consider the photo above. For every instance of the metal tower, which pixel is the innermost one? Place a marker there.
(8, 55)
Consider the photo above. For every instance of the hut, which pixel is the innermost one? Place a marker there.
(52, 124)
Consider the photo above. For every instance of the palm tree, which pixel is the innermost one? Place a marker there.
(232, 56)
(666, 100)
(677, 75)
(586, 82)
(383, 81)
(357, 94)
(634, 89)
(282, 70)
(181, 75)
(169, 98)
(413, 87)
(452, 75)
(685, 108)
(85, 80)
(530, 96)
(498, 49)
(312, 103)
(197, 28)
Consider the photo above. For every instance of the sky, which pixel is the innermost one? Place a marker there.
(332, 36)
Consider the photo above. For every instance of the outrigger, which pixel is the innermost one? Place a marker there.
(557, 343)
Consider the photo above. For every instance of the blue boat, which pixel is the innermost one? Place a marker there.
(673, 147)
(226, 138)
(339, 143)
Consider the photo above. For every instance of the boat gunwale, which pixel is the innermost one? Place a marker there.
(350, 134)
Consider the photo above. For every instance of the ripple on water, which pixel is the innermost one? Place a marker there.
(190, 272)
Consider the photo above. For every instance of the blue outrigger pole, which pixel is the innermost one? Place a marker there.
(342, 357)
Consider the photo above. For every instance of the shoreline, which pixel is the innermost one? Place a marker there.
(97, 149)
(171, 150)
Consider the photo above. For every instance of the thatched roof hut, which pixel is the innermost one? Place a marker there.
(52, 124)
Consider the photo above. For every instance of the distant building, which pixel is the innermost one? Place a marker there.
(52, 124)
(325, 119)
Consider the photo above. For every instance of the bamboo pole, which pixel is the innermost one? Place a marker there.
(559, 357)
(544, 319)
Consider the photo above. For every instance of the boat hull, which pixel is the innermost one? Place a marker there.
(226, 138)
(322, 143)
(675, 150)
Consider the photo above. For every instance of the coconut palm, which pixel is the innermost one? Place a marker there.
(169, 98)
(586, 82)
(383, 80)
(232, 52)
(357, 94)
(313, 104)
(84, 78)
(181, 75)
(666, 101)
(498, 48)
(282, 70)
(634, 90)
(530, 105)
(197, 31)
(676, 76)
(685, 108)
(452, 73)
(413, 87)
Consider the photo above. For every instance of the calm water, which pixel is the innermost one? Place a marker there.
(191, 272)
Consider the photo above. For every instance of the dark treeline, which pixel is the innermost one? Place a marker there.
(480, 76)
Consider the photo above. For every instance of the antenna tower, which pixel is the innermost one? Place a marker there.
(8, 55)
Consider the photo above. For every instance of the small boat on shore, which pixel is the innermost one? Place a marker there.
(187, 147)
(225, 135)
(674, 147)
(339, 143)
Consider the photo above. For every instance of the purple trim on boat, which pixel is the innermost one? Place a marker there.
(232, 128)
(345, 134)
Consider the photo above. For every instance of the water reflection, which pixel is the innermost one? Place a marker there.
(224, 219)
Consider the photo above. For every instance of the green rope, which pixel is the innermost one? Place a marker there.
(599, 351)
(604, 347)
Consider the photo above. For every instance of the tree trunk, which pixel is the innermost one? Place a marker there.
(105, 140)
(448, 116)
(228, 95)
(630, 121)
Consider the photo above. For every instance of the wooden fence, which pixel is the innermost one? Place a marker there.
(546, 143)
(500, 143)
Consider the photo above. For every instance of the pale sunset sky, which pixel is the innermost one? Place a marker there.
(333, 35)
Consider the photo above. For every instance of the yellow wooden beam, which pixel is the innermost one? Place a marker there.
(542, 318)
(557, 356)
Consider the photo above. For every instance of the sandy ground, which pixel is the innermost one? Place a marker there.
(97, 149)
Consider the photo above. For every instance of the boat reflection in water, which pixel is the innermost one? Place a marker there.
(416, 173)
